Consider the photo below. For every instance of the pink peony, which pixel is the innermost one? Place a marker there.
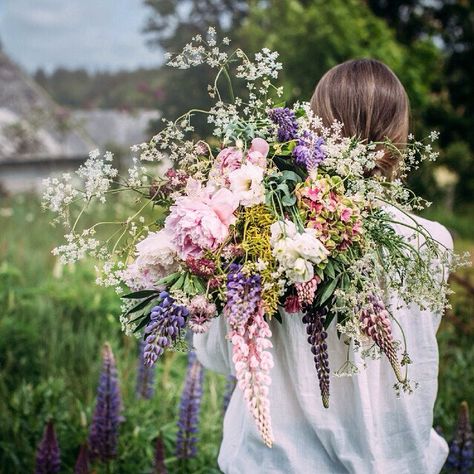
(258, 152)
(229, 159)
(201, 222)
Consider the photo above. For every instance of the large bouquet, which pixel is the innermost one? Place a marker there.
(274, 211)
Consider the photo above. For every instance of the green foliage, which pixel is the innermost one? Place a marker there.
(53, 324)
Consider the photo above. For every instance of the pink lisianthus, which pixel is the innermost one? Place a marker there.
(257, 154)
(200, 222)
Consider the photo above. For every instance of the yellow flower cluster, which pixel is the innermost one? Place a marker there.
(256, 221)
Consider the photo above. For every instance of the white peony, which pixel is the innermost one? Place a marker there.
(246, 183)
(156, 258)
(300, 271)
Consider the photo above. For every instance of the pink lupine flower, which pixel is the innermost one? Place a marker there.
(252, 365)
(307, 290)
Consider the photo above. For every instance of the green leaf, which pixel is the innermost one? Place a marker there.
(288, 201)
(330, 270)
(142, 324)
(291, 176)
(165, 281)
(328, 291)
(277, 316)
(178, 284)
(138, 295)
(141, 305)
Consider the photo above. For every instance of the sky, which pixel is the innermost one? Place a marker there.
(94, 34)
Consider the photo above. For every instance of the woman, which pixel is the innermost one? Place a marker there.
(367, 429)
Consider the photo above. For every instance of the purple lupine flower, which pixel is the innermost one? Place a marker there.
(308, 151)
(286, 120)
(375, 322)
(314, 319)
(164, 328)
(146, 376)
(189, 409)
(229, 390)
(82, 462)
(48, 459)
(461, 450)
(243, 295)
(103, 434)
(159, 466)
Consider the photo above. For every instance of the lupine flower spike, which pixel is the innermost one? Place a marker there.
(375, 322)
(48, 456)
(306, 291)
(314, 319)
(164, 328)
(287, 125)
(461, 449)
(82, 463)
(189, 409)
(249, 334)
(103, 434)
(229, 390)
(159, 466)
(146, 376)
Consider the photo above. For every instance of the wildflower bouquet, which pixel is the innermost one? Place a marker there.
(274, 211)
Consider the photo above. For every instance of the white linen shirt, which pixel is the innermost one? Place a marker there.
(367, 429)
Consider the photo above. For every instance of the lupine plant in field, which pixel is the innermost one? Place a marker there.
(82, 462)
(461, 449)
(190, 406)
(103, 434)
(159, 466)
(145, 377)
(48, 455)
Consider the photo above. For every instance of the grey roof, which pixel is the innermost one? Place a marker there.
(32, 125)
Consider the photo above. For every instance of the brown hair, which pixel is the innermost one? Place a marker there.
(368, 98)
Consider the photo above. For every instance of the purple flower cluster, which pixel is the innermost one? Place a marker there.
(146, 376)
(461, 449)
(243, 296)
(286, 120)
(314, 319)
(48, 456)
(308, 151)
(164, 328)
(159, 466)
(82, 462)
(103, 434)
(189, 409)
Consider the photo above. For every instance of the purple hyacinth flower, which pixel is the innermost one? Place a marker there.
(243, 296)
(146, 376)
(48, 460)
(159, 466)
(461, 449)
(103, 434)
(229, 390)
(167, 319)
(189, 408)
(308, 151)
(82, 462)
(286, 120)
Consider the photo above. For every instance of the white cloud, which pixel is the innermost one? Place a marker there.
(96, 34)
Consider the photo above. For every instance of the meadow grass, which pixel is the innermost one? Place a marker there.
(54, 321)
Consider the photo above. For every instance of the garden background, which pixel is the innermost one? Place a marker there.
(54, 320)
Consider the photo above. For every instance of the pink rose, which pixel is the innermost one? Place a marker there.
(201, 223)
(258, 152)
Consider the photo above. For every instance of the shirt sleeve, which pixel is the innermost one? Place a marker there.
(213, 349)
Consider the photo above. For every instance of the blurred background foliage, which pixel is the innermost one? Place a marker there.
(54, 320)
